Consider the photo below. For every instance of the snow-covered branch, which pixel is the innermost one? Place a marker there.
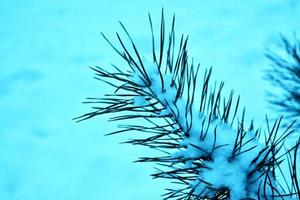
(207, 150)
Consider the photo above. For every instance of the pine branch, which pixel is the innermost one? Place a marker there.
(285, 73)
(203, 153)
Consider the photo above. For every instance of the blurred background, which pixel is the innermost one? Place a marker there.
(46, 48)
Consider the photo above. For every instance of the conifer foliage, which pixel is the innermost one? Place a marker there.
(285, 73)
(206, 150)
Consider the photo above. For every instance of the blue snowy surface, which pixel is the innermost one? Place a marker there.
(46, 48)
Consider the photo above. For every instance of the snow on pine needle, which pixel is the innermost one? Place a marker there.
(207, 152)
